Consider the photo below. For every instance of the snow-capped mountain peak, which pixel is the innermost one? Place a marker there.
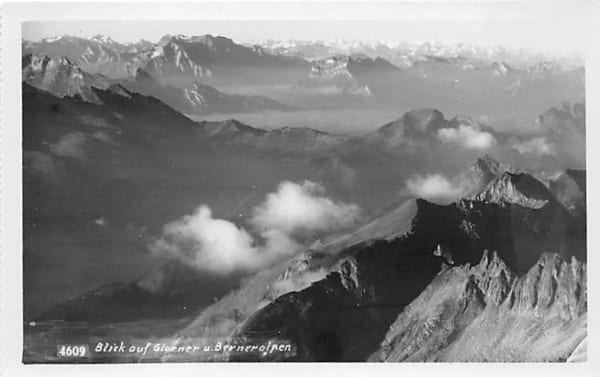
(102, 39)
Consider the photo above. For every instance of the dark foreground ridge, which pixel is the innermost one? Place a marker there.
(345, 316)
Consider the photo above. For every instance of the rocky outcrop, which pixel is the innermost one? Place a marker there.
(516, 188)
(489, 313)
(481, 173)
(61, 77)
(489, 168)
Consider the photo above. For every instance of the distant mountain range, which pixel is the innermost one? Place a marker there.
(401, 54)
(99, 54)
(173, 60)
(404, 54)
(459, 80)
(350, 74)
(62, 77)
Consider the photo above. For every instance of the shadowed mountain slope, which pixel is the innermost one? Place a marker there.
(345, 315)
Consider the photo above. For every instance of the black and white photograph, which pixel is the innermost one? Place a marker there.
(326, 189)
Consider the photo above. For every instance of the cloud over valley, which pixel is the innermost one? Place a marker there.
(293, 213)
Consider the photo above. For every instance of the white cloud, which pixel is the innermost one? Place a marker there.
(220, 246)
(207, 243)
(467, 136)
(301, 208)
(536, 146)
(434, 187)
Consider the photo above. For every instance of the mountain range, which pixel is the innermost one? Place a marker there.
(404, 54)
(62, 77)
(462, 240)
(173, 60)
(463, 80)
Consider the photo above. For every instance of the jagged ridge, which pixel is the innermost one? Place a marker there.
(342, 316)
(489, 313)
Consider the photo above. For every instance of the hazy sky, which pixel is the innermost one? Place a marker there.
(534, 27)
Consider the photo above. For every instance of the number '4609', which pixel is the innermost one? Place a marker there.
(71, 350)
